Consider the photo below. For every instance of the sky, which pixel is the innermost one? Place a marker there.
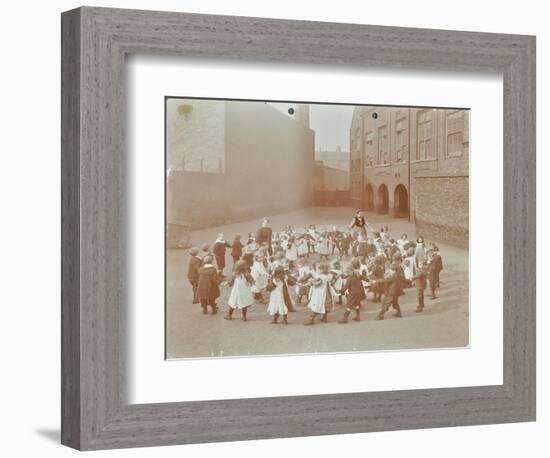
(331, 124)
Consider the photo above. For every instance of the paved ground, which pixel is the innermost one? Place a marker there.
(444, 322)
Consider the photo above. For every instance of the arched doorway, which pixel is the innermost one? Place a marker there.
(401, 202)
(382, 202)
(369, 198)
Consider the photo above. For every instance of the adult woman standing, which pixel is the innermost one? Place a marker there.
(359, 224)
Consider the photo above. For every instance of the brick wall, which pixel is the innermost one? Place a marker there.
(442, 211)
(329, 178)
(331, 198)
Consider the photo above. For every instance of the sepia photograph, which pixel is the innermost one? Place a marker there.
(301, 228)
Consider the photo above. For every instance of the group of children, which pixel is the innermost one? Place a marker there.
(319, 268)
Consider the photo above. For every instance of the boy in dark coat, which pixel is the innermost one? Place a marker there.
(193, 271)
(432, 271)
(393, 282)
(363, 248)
(356, 293)
(265, 235)
(420, 281)
(345, 243)
(208, 289)
(218, 250)
(438, 263)
(376, 272)
(335, 237)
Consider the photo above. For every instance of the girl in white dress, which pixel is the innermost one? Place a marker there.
(241, 294)
(409, 265)
(279, 299)
(260, 276)
(301, 244)
(320, 298)
(291, 252)
(420, 251)
(312, 237)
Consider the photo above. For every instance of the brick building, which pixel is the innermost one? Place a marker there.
(414, 163)
(228, 161)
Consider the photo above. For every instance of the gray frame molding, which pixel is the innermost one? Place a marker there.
(95, 414)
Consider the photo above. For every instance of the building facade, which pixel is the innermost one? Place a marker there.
(228, 161)
(413, 163)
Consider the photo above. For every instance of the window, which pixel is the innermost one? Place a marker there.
(383, 145)
(400, 139)
(456, 135)
(424, 135)
(369, 148)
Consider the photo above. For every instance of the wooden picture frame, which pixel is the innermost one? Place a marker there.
(95, 413)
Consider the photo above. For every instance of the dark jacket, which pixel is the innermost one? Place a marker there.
(264, 235)
(394, 285)
(432, 267)
(438, 263)
(193, 269)
(345, 242)
(354, 286)
(208, 287)
(236, 249)
(218, 250)
(420, 279)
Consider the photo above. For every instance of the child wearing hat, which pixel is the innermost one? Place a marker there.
(432, 273)
(420, 280)
(208, 289)
(438, 263)
(355, 292)
(193, 267)
(393, 288)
